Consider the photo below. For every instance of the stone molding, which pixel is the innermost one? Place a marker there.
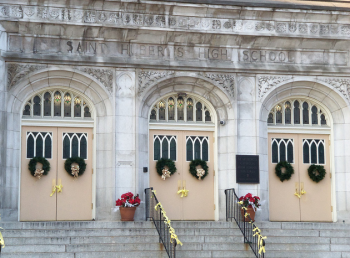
(104, 76)
(265, 83)
(225, 82)
(341, 84)
(122, 19)
(18, 71)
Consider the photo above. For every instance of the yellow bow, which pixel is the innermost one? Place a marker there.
(261, 244)
(2, 241)
(302, 192)
(59, 188)
(153, 191)
(297, 195)
(158, 205)
(183, 192)
(53, 190)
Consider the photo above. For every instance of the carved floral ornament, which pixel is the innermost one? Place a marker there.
(124, 19)
(147, 79)
(266, 83)
(17, 71)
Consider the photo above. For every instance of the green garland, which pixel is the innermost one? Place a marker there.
(165, 163)
(193, 167)
(79, 161)
(43, 161)
(287, 174)
(314, 176)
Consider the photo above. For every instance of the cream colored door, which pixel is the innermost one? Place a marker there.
(35, 201)
(74, 202)
(182, 147)
(301, 151)
(315, 205)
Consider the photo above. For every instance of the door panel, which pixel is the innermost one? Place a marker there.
(199, 204)
(284, 205)
(36, 203)
(74, 202)
(185, 208)
(315, 205)
(167, 189)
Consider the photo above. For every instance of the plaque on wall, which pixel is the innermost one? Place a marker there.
(247, 169)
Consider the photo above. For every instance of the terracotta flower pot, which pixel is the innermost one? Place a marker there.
(127, 213)
(251, 212)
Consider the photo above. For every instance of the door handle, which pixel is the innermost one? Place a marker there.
(296, 190)
(178, 185)
(53, 187)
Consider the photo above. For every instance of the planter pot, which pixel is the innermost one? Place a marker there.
(127, 213)
(251, 212)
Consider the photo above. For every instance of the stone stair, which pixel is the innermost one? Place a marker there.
(140, 239)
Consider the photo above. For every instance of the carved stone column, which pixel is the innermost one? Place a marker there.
(125, 132)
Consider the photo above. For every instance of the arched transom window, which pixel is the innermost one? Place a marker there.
(56, 103)
(297, 112)
(180, 108)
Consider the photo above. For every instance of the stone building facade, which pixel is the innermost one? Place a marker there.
(251, 68)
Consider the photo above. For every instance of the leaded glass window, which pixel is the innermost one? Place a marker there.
(164, 146)
(282, 150)
(74, 145)
(291, 112)
(313, 151)
(180, 108)
(197, 147)
(56, 103)
(39, 144)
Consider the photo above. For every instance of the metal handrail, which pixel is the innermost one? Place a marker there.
(250, 231)
(157, 216)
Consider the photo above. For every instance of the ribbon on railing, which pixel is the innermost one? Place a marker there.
(2, 241)
(153, 191)
(167, 221)
(261, 242)
(183, 192)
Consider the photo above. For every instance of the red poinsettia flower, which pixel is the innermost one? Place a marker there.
(128, 198)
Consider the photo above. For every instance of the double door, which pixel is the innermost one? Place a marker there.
(301, 150)
(56, 144)
(183, 147)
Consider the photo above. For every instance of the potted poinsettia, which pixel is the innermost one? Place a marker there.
(127, 206)
(251, 203)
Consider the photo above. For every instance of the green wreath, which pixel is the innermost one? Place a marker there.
(43, 161)
(165, 163)
(287, 174)
(68, 165)
(314, 176)
(193, 168)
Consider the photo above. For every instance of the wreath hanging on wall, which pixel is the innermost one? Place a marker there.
(75, 170)
(165, 168)
(199, 173)
(287, 173)
(36, 172)
(316, 172)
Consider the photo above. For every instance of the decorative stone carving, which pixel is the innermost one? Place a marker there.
(267, 82)
(341, 84)
(146, 78)
(16, 72)
(224, 81)
(213, 24)
(105, 76)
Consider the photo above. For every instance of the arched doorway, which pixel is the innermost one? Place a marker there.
(57, 124)
(299, 133)
(182, 127)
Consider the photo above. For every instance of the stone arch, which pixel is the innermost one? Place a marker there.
(102, 108)
(225, 141)
(335, 101)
